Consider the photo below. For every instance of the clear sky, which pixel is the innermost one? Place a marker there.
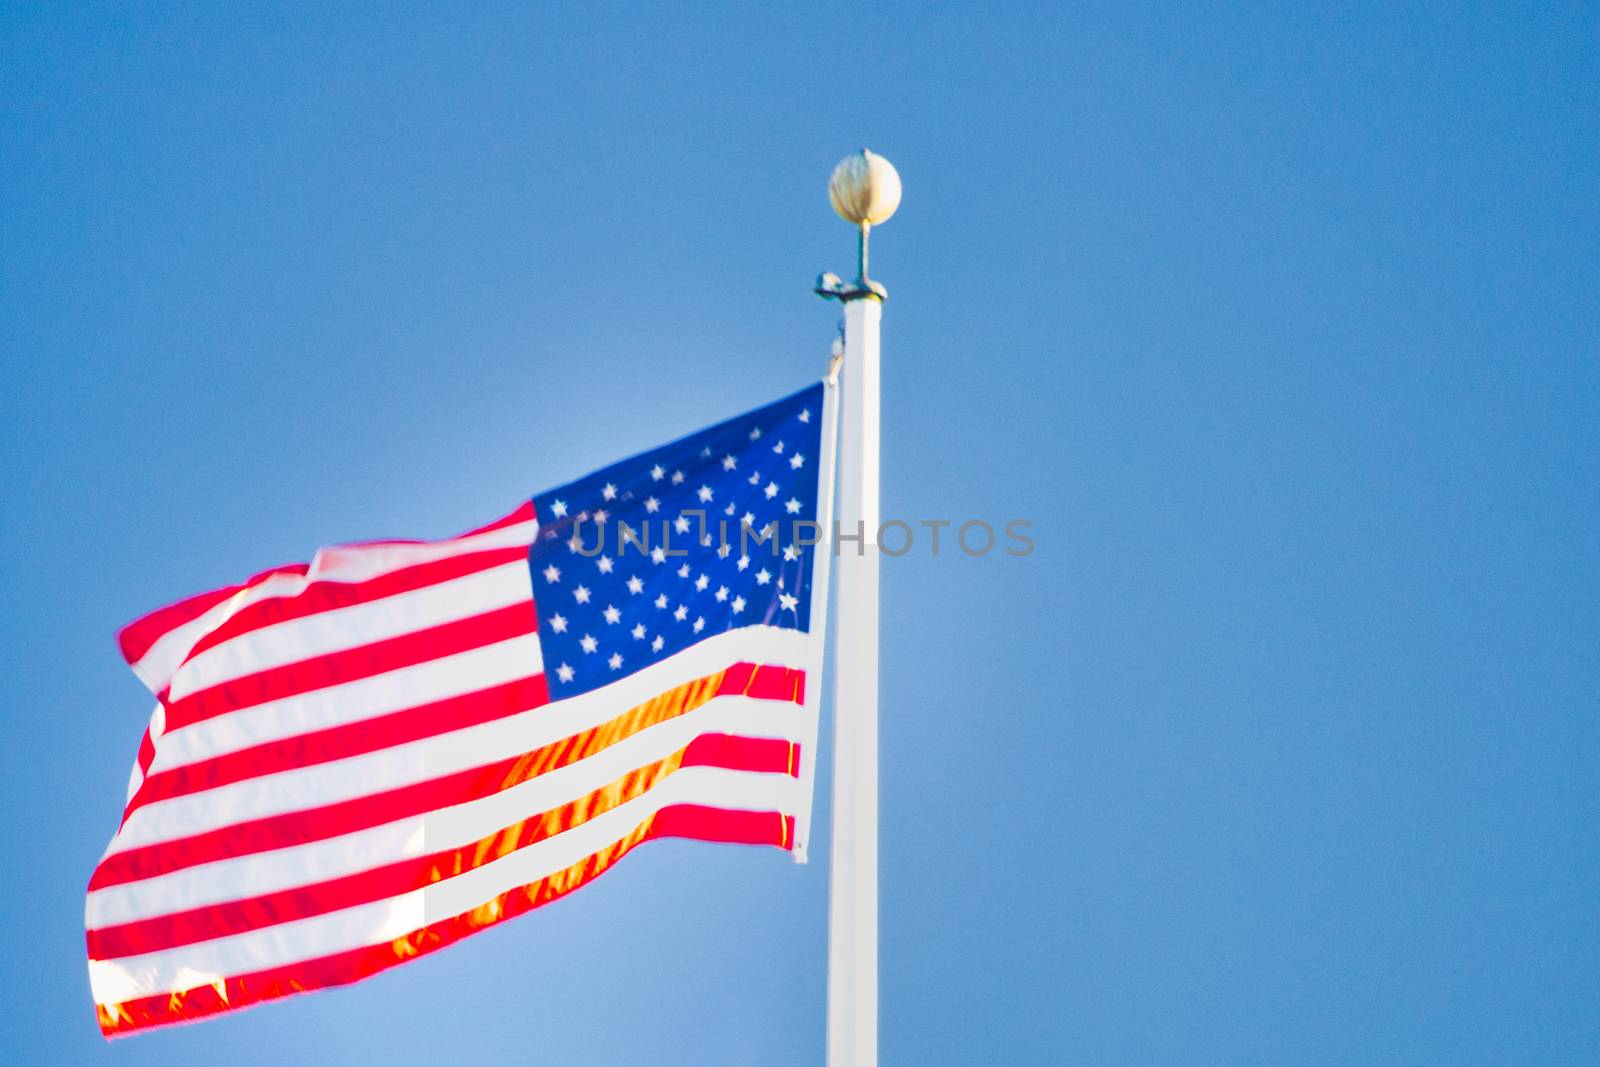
(1280, 325)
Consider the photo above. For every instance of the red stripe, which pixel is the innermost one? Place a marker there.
(376, 809)
(769, 755)
(703, 823)
(320, 596)
(147, 751)
(342, 742)
(404, 876)
(137, 637)
(523, 513)
(351, 664)
(765, 682)
(689, 821)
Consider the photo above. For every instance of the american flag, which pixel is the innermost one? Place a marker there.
(357, 761)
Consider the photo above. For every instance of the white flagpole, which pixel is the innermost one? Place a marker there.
(853, 897)
(865, 190)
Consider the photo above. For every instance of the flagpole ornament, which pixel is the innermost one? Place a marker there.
(865, 191)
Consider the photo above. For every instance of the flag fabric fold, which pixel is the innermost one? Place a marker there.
(360, 760)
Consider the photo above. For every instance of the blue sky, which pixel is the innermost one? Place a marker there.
(1280, 325)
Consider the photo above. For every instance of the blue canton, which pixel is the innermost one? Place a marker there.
(644, 558)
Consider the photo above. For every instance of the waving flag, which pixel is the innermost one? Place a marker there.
(360, 760)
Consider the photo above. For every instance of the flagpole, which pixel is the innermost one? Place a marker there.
(865, 190)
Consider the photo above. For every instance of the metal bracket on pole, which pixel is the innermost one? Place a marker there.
(829, 287)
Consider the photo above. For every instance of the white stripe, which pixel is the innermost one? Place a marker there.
(347, 564)
(339, 629)
(348, 702)
(455, 826)
(192, 966)
(374, 772)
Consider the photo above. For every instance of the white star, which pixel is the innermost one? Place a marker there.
(677, 477)
(744, 561)
(705, 453)
(755, 478)
(681, 524)
(558, 508)
(612, 614)
(558, 623)
(787, 601)
(657, 472)
(658, 555)
(683, 571)
(552, 574)
(605, 564)
(728, 510)
(638, 632)
(722, 593)
(655, 646)
(574, 543)
(705, 540)
(797, 461)
(728, 463)
(587, 643)
(652, 505)
(792, 506)
(771, 490)
(748, 518)
(582, 594)
(701, 582)
(564, 672)
(738, 604)
(778, 448)
(699, 623)
(805, 416)
(762, 577)
(661, 601)
(680, 613)
(790, 553)
(615, 661)
(705, 493)
(635, 586)
(723, 550)
(755, 432)
(601, 516)
(609, 492)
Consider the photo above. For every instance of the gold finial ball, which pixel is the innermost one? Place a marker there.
(865, 188)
